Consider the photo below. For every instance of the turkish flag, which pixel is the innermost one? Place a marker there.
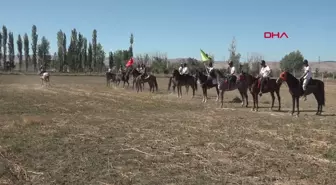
(130, 62)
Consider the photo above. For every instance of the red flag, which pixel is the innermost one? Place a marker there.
(130, 62)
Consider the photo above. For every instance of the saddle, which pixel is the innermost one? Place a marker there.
(265, 83)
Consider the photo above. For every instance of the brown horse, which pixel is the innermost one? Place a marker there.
(270, 87)
(206, 84)
(123, 76)
(314, 86)
(135, 73)
(241, 85)
(184, 80)
(151, 80)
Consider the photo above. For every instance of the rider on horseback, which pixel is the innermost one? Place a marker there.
(306, 77)
(143, 71)
(185, 70)
(264, 74)
(42, 70)
(210, 69)
(232, 74)
(181, 68)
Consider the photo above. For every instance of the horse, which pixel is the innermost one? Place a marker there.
(241, 85)
(314, 86)
(135, 73)
(271, 87)
(184, 80)
(151, 80)
(45, 77)
(173, 83)
(123, 76)
(206, 84)
(110, 77)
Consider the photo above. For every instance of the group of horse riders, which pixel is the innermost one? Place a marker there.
(141, 68)
(264, 74)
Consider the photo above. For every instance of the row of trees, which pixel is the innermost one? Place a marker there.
(77, 56)
(81, 54)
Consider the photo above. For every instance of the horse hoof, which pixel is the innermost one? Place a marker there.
(252, 110)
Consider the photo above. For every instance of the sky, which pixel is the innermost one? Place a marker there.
(180, 28)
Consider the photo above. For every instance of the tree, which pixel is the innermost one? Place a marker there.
(100, 57)
(234, 56)
(292, 62)
(118, 58)
(159, 63)
(84, 54)
(34, 46)
(254, 63)
(4, 44)
(54, 60)
(64, 52)
(94, 49)
(11, 50)
(79, 61)
(26, 49)
(143, 59)
(111, 64)
(19, 48)
(130, 50)
(60, 51)
(90, 57)
(43, 52)
(72, 51)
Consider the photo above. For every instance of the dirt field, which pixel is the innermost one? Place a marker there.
(80, 132)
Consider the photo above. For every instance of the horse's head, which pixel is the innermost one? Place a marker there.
(176, 73)
(283, 77)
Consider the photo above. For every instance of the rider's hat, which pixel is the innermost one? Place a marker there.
(263, 62)
(305, 61)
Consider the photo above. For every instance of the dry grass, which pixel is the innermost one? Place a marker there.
(80, 132)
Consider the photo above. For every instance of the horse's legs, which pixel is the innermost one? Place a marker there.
(243, 98)
(279, 99)
(273, 98)
(203, 94)
(293, 104)
(193, 89)
(256, 101)
(206, 95)
(222, 98)
(318, 103)
(298, 105)
(254, 104)
(217, 91)
(246, 98)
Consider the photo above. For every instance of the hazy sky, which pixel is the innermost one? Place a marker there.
(181, 27)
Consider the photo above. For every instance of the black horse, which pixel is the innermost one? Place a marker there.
(110, 77)
(206, 84)
(184, 80)
(314, 86)
(135, 73)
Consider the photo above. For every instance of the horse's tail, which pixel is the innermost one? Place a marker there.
(156, 84)
(169, 84)
(323, 93)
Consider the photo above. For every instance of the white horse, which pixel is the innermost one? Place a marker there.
(45, 77)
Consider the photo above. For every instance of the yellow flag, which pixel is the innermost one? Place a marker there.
(205, 56)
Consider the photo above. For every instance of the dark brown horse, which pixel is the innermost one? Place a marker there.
(270, 87)
(110, 77)
(173, 83)
(123, 76)
(151, 80)
(135, 73)
(206, 84)
(241, 84)
(184, 80)
(314, 86)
